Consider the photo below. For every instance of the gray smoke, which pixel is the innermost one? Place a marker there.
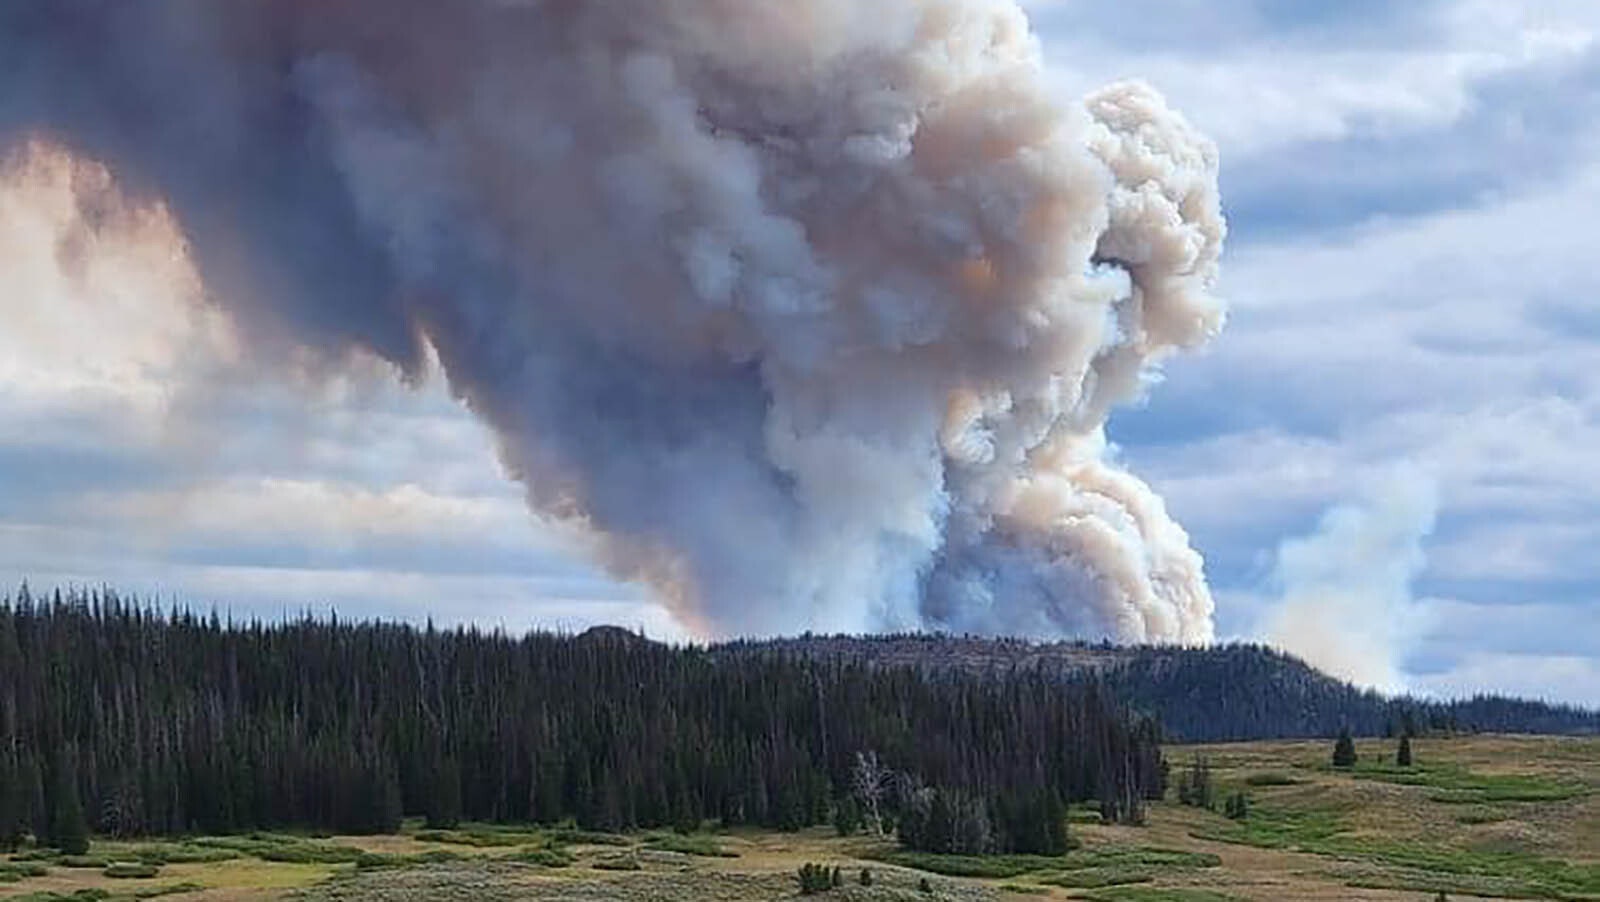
(810, 313)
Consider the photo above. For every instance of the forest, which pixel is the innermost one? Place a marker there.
(124, 720)
(1219, 693)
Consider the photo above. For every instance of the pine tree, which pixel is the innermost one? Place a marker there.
(1344, 750)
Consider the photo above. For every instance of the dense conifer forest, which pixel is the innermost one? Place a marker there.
(134, 721)
(1213, 694)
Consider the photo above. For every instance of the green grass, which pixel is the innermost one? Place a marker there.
(1005, 866)
(379, 860)
(16, 871)
(703, 846)
(568, 835)
(543, 857)
(284, 848)
(1153, 894)
(131, 870)
(1456, 785)
(1273, 778)
(1091, 878)
(1320, 830)
(101, 895)
(1275, 826)
(992, 866)
(482, 838)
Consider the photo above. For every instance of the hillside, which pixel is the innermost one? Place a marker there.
(1214, 694)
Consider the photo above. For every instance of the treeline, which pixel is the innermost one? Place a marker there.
(1242, 692)
(162, 723)
(1211, 694)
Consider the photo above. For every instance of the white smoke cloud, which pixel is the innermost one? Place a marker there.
(810, 319)
(1346, 605)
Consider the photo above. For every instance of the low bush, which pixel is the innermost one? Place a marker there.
(131, 870)
(814, 878)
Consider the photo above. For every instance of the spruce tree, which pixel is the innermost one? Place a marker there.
(1344, 750)
(36, 806)
(69, 832)
(444, 802)
(12, 805)
(847, 816)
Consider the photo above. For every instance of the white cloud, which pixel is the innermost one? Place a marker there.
(1263, 93)
(1573, 679)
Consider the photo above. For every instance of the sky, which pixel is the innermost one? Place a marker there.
(1408, 385)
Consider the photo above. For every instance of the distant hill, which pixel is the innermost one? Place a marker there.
(1217, 693)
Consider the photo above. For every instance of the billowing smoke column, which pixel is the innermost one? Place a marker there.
(810, 312)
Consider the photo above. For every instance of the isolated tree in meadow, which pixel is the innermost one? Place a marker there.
(1403, 757)
(1344, 750)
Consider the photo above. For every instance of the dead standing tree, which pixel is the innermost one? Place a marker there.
(870, 781)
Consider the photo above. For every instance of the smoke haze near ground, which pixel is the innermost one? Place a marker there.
(808, 319)
(1346, 604)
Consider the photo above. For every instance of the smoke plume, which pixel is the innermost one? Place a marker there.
(809, 314)
(1346, 606)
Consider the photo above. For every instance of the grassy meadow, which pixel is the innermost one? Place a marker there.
(1498, 817)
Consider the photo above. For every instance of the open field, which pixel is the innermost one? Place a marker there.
(1503, 817)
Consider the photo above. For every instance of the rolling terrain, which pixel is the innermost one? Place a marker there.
(1199, 694)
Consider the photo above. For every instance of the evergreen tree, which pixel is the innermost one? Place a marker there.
(36, 806)
(847, 816)
(1402, 758)
(444, 802)
(69, 831)
(13, 805)
(1344, 750)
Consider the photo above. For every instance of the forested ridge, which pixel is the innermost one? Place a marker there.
(144, 722)
(1208, 694)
